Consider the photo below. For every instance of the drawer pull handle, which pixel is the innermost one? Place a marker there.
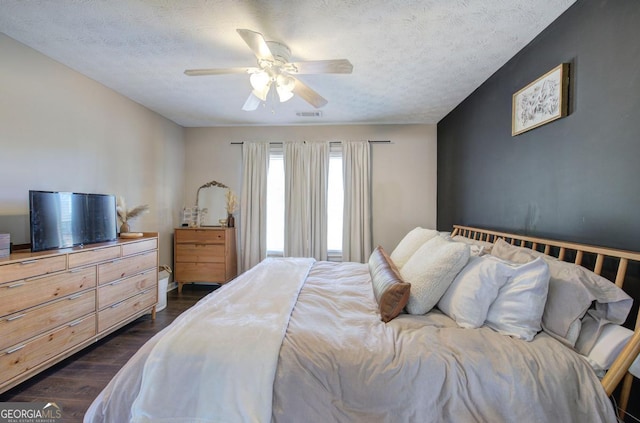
(75, 323)
(22, 263)
(16, 285)
(76, 296)
(14, 349)
(36, 278)
(116, 305)
(16, 317)
(118, 282)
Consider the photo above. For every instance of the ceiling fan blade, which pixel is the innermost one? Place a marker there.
(251, 104)
(256, 43)
(308, 95)
(323, 66)
(220, 71)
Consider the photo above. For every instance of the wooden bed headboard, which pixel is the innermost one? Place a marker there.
(562, 250)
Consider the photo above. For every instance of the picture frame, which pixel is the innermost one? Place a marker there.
(542, 101)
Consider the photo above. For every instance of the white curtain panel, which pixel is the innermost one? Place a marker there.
(295, 200)
(356, 236)
(306, 169)
(318, 195)
(253, 204)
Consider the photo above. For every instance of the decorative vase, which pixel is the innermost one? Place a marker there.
(231, 221)
(124, 228)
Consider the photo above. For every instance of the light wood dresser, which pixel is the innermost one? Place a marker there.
(54, 303)
(205, 254)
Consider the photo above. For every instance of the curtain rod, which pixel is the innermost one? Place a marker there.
(331, 142)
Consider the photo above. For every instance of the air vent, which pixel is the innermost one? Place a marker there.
(309, 114)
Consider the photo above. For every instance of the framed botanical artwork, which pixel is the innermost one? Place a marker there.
(542, 101)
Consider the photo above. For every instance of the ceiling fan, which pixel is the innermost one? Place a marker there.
(274, 70)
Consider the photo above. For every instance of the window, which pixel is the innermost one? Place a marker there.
(275, 203)
(335, 202)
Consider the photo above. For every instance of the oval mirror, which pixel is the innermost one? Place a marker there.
(211, 203)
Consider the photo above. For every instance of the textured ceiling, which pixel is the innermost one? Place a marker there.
(414, 60)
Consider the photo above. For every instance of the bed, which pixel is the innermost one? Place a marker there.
(296, 340)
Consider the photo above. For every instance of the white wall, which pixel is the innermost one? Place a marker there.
(60, 130)
(403, 174)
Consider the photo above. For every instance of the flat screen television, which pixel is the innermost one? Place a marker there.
(67, 219)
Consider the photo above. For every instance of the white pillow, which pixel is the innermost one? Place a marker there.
(517, 311)
(502, 249)
(410, 244)
(574, 328)
(572, 291)
(608, 346)
(481, 247)
(472, 292)
(430, 271)
(476, 250)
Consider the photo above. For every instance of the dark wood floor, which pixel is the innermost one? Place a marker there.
(75, 382)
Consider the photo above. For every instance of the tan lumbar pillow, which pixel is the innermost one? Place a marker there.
(391, 292)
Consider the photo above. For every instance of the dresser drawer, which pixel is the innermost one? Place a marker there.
(20, 295)
(204, 236)
(29, 268)
(200, 272)
(138, 247)
(199, 253)
(23, 325)
(113, 292)
(129, 266)
(23, 357)
(93, 256)
(125, 309)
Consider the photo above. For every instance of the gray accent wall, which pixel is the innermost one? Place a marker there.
(577, 178)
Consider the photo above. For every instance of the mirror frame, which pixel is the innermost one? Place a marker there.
(210, 184)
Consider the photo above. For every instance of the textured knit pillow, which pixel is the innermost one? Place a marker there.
(430, 271)
(391, 292)
(410, 244)
(472, 292)
(517, 311)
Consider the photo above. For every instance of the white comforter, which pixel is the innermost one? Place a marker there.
(216, 363)
(339, 362)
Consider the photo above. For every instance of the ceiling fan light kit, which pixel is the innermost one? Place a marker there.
(284, 86)
(275, 69)
(261, 82)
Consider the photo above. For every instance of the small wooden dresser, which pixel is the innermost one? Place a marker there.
(205, 254)
(54, 303)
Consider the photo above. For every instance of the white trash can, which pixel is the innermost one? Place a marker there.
(163, 282)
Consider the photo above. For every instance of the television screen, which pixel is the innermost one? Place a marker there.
(66, 219)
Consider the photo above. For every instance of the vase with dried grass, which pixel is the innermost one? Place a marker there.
(126, 215)
(232, 205)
